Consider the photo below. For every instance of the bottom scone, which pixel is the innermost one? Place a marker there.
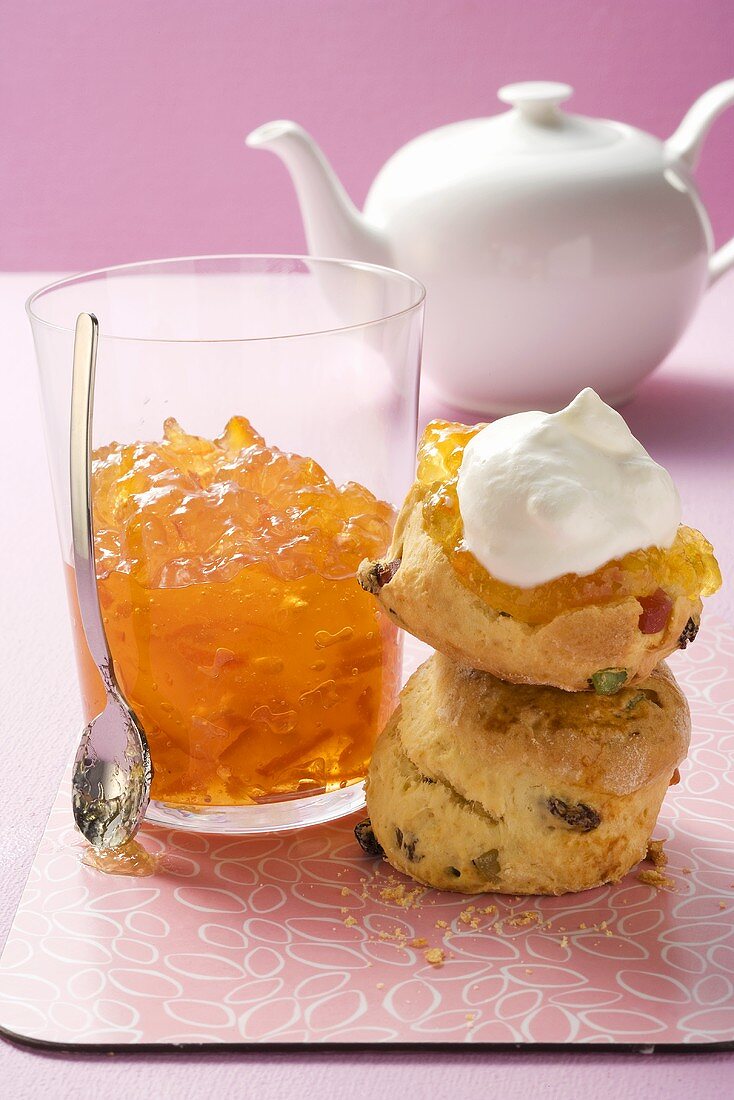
(479, 785)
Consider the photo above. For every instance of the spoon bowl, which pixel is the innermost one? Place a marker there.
(112, 775)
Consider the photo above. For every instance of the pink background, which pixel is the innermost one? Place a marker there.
(122, 121)
(121, 137)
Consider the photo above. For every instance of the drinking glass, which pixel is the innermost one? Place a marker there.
(254, 434)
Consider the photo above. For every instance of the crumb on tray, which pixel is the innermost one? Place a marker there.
(655, 878)
(656, 854)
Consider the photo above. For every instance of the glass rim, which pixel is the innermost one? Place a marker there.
(79, 277)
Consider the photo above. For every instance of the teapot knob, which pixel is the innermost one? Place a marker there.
(536, 100)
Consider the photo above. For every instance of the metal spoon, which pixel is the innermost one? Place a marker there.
(112, 767)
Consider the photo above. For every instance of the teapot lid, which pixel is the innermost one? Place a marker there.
(536, 122)
(536, 99)
(561, 146)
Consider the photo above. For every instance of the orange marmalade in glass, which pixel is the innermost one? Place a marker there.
(687, 568)
(258, 667)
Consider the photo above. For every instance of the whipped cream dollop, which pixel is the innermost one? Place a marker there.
(543, 494)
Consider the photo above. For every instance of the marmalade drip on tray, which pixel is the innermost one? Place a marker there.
(130, 859)
(258, 667)
(687, 568)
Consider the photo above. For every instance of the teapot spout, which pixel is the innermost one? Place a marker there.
(333, 225)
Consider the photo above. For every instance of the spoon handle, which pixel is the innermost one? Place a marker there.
(80, 469)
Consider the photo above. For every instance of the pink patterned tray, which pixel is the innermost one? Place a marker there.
(299, 938)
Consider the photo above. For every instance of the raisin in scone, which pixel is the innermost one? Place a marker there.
(580, 587)
(478, 785)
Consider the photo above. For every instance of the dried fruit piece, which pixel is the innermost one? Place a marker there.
(655, 612)
(488, 864)
(386, 570)
(454, 872)
(373, 576)
(690, 630)
(608, 681)
(366, 838)
(408, 846)
(578, 816)
(636, 698)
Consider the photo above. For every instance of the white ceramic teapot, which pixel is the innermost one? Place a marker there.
(558, 251)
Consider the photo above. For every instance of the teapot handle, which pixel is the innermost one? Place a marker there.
(685, 144)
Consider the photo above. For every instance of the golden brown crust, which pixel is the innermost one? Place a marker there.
(615, 744)
(476, 785)
(426, 597)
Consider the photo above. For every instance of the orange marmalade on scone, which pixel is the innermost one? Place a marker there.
(654, 576)
(258, 667)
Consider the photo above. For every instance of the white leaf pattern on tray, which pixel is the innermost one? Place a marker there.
(299, 938)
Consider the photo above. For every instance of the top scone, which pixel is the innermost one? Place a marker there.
(597, 629)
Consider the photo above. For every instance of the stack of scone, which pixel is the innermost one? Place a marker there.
(542, 557)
